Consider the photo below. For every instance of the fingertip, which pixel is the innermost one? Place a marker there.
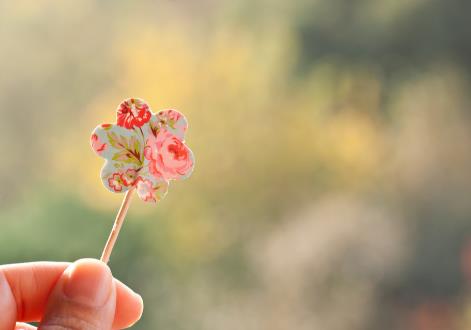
(90, 264)
(88, 281)
(129, 307)
(129, 304)
(83, 298)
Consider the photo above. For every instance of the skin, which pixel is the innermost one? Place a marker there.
(60, 296)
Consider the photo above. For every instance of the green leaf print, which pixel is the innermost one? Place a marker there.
(129, 149)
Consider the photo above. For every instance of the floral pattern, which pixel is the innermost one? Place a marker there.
(133, 113)
(97, 145)
(169, 158)
(143, 150)
(116, 182)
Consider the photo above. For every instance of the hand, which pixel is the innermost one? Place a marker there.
(79, 296)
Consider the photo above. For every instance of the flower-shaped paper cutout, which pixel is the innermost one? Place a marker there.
(143, 150)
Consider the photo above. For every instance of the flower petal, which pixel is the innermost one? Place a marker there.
(118, 144)
(133, 113)
(117, 179)
(149, 189)
(171, 120)
(167, 156)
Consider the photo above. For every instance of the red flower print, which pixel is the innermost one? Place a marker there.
(168, 156)
(133, 113)
(97, 145)
(129, 177)
(116, 182)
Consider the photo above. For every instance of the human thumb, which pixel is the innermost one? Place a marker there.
(84, 298)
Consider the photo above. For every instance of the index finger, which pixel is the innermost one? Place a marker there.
(30, 285)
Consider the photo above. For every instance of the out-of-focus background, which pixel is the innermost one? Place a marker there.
(333, 144)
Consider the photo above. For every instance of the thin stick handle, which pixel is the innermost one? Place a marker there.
(118, 223)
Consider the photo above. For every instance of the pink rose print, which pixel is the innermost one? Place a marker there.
(97, 145)
(168, 156)
(133, 113)
(145, 158)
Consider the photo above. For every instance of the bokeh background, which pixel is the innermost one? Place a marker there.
(333, 144)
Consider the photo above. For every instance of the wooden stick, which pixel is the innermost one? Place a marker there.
(118, 223)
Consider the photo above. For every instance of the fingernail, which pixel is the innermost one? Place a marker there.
(88, 282)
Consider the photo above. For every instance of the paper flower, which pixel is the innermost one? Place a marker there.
(143, 150)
